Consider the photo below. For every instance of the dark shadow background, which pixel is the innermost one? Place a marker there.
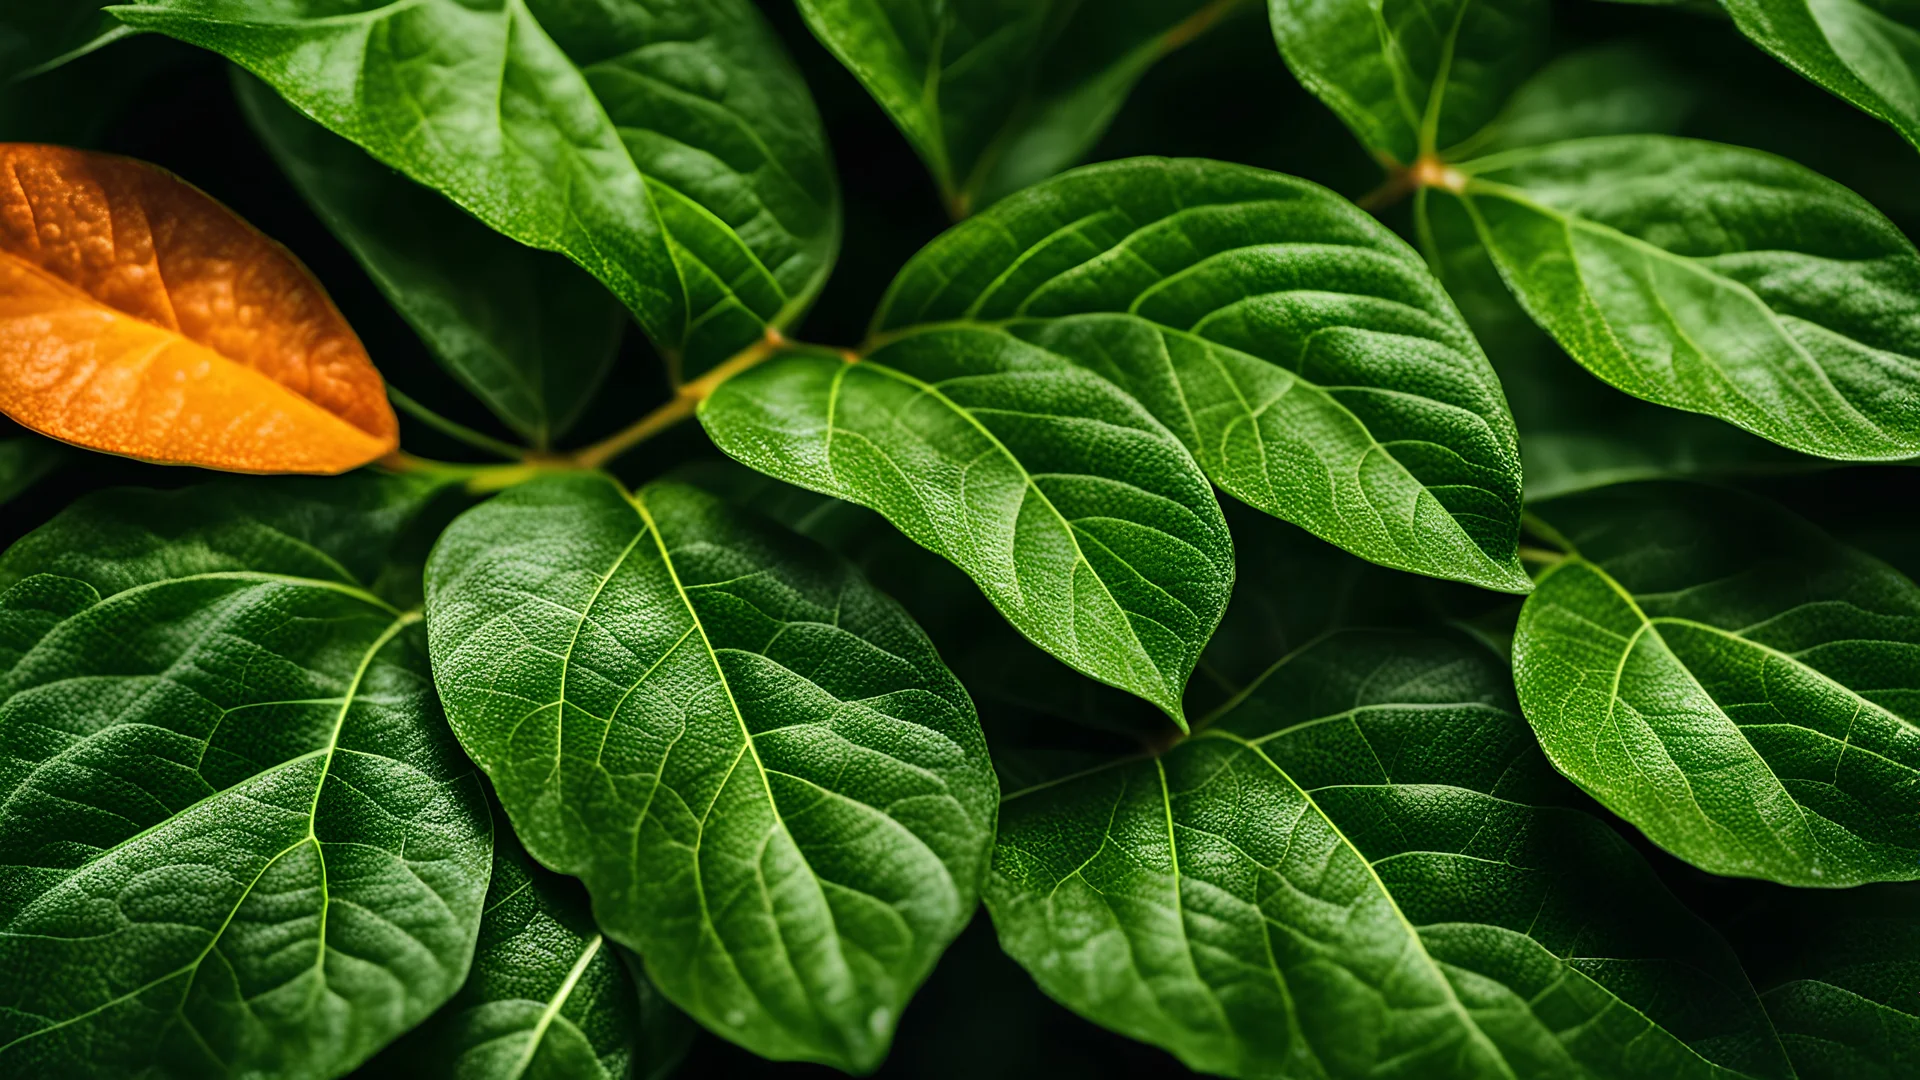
(1228, 96)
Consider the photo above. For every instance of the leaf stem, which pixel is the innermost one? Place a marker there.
(1427, 171)
(685, 400)
(454, 429)
(478, 479)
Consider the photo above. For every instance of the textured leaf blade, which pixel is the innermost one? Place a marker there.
(1361, 867)
(1864, 52)
(526, 332)
(1084, 521)
(670, 149)
(139, 317)
(770, 785)
(1411, 79)
(548, 996)
(1303, 354)
(1836, 971)
(996, 95)
(1718, 280)
(1731, 681)
(249, 842)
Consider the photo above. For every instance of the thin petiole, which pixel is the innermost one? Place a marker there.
(454, 429)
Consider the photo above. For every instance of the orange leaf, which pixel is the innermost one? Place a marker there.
(140, 317)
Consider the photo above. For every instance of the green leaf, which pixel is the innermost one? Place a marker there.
(668, 147)
(1731, 681)
(1081, 517)
(756, 762)
(1360, 869)
(1718, 280)
(1411, 79)
(549, 996)
(1622, 88)
(1867, 53)
(1837, 972)
(1302, 353)
(530, 334)
(236, 836)
(998, 94)
(39, 35)
(25, 461)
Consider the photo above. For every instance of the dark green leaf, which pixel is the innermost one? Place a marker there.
(999, 94)
(669, 147)
(36, 35)
(1302, 353)
(25, 461)
(1837, 971)
(1730, 680)
(236, 836)
(1715, 279)
(770, 785)
(1082, 518)
(1617, 89)
(549, 997)
(1411, 77)
(1361, 869)
(530, 334)
(1866, 52)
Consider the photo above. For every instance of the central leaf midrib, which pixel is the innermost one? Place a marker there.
(553, 1006)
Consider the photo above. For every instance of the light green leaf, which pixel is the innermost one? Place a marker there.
(1082, 518)
(1865, 51)
(756, 762)
(998, 94)
(1622, 88)
(1411, 77)
(668, 147)
(549, 997)
(1362, 869)
(236, 836)
(1718, 280)
(1731, 681)
(25, 460)
(1837, 972)
(1302, 353)
(530, 334)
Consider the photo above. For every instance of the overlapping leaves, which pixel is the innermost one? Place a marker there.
(1731, 681)
(769, 783)
(236, 833)
(1867, 53)
(669, 148)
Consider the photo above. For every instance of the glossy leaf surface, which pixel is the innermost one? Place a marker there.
(1715, 279)
(998, 94)
(528, 333)
(1303, 354)
(549, 998)
(769, 783)
(1731, 681)
(669, 148)
(140, 317)
(236, 836)
(1361, 869)
(1866, 52)
(1082, 518)
(1411, 77)
(1837, 972)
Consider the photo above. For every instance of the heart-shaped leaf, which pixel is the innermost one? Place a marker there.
(140, 317)
(770, 784)
(1362, 868)
(996, 95)
(529, 333)
(1411, 79)
(236, 836)
(1867, 53)
(1730, 680)
(549, 996)
(1303, 354)
(667, 146)
(1836, 971)
(1715, 279)
(1082, 518)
